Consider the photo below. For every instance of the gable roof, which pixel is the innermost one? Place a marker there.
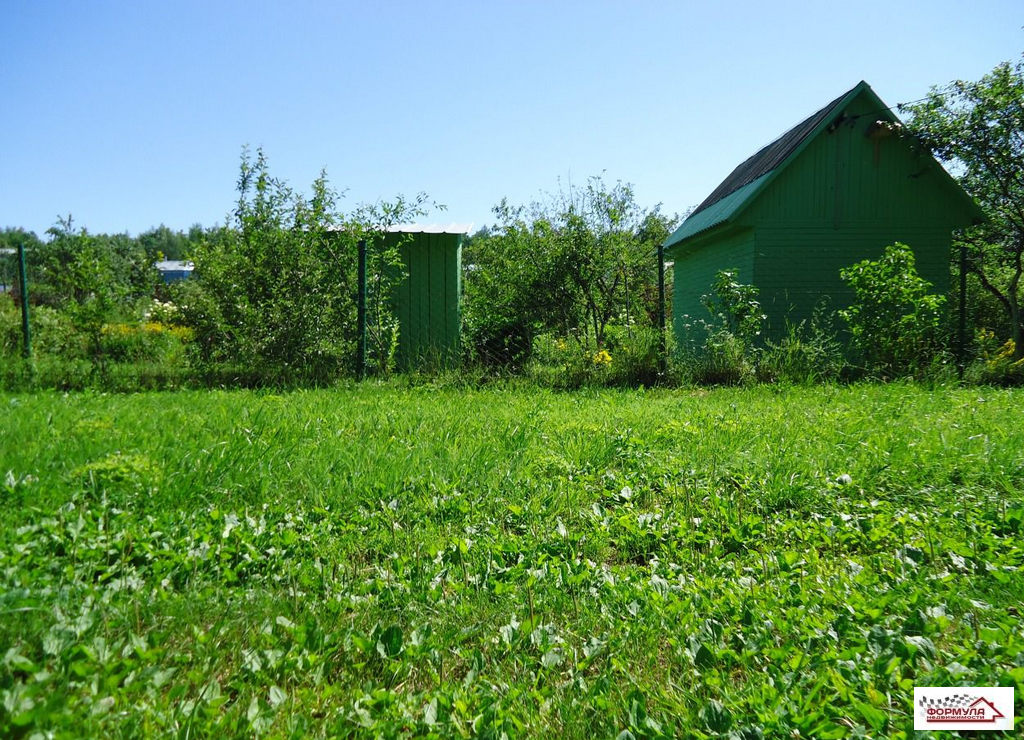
(770, 156)
(748, 179)
(738, 189)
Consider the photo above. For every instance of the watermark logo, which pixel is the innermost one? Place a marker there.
(963, 708)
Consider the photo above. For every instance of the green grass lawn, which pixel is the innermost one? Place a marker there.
(387, 561)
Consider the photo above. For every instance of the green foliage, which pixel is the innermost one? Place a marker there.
(314, 565)
(274, 296)
(385, 272)
(734, 306)
(995, 363)
(88, 282)
(163, 243)
(723, 359)
(10, 239)
(10, 327)
(92, 319)
(726, 353)
(810, 352)
(631, 358)
(895, 323)
(573, 266)
(636, 356)
(276, 291)
(977, 128)
(90, 276)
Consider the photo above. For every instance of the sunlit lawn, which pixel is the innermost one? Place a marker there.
(387, 561)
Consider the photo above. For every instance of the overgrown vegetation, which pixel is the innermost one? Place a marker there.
(895, 321)
(977, 128)
(273, 297)
(576, 273)
(564, 291)
(419, 562)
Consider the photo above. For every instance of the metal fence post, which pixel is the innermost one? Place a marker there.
(661, 308)
(361, 358)
(26, 329)
(962, 323)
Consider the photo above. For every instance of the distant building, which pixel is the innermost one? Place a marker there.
(172, 271)
(834, 190)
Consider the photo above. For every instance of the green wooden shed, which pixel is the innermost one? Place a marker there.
(835, 189)
(427, 302)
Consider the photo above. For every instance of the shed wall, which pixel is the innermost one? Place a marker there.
(694, 269)
(427, 301)
(844, 199)
(796, 271)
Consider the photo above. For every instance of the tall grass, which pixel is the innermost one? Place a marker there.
(397, 561)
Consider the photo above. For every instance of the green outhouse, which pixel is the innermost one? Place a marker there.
(835, 189)
(427, 301)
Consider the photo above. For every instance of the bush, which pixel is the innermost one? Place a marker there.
(89, 275)
(148, 342)
(724, 359)
(576, 265)
(995, 364)
(726, 354)
(630, 358)
(635, 356)
(53, 332)
(275, 294)
(10, 327)
(895, 323)
(566, 363)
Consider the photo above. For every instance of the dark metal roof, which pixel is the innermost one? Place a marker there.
(771, 156)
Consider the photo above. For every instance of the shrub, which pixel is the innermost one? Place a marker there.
(723, 359)
(576, 264)
(10, 327)
(734, 306)
(148, 342)
(635, 356)
(53, 332)
(995, 364)
(727, 354)
(895, 323)
(89, 275)
(565, 363)
(630, 358)
(275, 294)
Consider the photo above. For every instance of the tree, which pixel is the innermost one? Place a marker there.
(574, 264)
(10, 240)
(163, 242)
(86, 278)
(274, 293)
(75, 268)
(977, 128)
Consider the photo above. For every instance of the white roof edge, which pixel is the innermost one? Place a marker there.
(452, 228)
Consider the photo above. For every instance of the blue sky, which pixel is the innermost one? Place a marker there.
(132, 114)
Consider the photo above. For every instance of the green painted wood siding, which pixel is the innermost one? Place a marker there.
(694, 268)
(844, 199)
(797, 271)
(427, 302)
(841, 198)
(844, 179)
